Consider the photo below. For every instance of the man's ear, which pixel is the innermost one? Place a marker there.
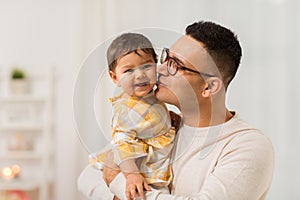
(113, 76)
(212, 86)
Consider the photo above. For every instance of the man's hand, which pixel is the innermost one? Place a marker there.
(135, 182)
(175, 120)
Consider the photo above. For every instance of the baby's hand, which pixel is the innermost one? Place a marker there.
(135, 182)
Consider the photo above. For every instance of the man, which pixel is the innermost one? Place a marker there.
(217, 155)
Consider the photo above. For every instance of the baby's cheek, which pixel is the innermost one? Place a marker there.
(153, 77)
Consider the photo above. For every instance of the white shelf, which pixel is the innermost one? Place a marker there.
(24, 119)
(21, 155)
(19, 184)
(22, 99)
(21, 127)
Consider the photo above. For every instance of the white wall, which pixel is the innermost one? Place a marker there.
(41, 34)
(61, 32)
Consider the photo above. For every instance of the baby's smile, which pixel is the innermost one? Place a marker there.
(141, 84)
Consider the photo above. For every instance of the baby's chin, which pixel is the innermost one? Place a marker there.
(144, 90)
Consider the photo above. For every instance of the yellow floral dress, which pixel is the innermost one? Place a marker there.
(142, 130)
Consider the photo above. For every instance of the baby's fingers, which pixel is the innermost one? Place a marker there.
(132, 191)
(127, 194)
(147, 187)
(140, 189)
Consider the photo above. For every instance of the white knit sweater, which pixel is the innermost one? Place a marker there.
(232, 161)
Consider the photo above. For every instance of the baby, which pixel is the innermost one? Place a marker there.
(142, 136)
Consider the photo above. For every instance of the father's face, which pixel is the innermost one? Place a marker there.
(184, 88)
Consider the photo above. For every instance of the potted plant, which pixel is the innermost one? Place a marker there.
(19, 82)
(17, 73)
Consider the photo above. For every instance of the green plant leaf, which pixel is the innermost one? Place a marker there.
(17, 73)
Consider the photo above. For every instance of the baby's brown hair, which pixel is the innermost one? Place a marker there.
(126, 44)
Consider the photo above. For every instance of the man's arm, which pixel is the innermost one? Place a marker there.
(91, 184)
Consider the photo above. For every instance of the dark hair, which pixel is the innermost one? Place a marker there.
(126, 44)
(221, 44)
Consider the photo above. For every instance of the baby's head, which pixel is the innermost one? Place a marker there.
(132, 63)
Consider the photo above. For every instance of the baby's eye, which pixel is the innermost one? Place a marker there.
(128, 71)
(147, 66)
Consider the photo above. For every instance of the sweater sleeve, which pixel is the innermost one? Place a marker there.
(91, 185)
(243, 171)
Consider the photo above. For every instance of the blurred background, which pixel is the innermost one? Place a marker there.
(43, 35)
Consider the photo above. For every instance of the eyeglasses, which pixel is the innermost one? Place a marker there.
(173, 64)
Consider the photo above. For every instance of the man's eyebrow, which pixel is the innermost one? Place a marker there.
(175, 58)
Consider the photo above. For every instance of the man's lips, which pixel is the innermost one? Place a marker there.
(159, 82)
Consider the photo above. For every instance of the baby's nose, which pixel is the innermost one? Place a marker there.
(139, 73)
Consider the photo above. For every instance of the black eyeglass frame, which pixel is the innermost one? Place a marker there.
(178, 65)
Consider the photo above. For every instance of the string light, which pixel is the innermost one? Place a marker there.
(10, 172)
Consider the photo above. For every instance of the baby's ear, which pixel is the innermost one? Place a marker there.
(113, 76)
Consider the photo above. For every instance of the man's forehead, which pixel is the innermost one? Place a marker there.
(186, 47)
(190, 50)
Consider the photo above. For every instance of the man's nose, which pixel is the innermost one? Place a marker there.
(162, 69)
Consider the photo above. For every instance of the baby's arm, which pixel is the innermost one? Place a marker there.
(134, 180)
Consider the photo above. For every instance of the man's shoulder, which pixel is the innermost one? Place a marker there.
(238, 127)
(246, 138)
(244, 134)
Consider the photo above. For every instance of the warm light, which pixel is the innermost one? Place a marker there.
(16, 169)
(7, 173)
(10, 172)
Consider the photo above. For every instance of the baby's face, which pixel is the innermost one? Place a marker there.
(135, 73)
